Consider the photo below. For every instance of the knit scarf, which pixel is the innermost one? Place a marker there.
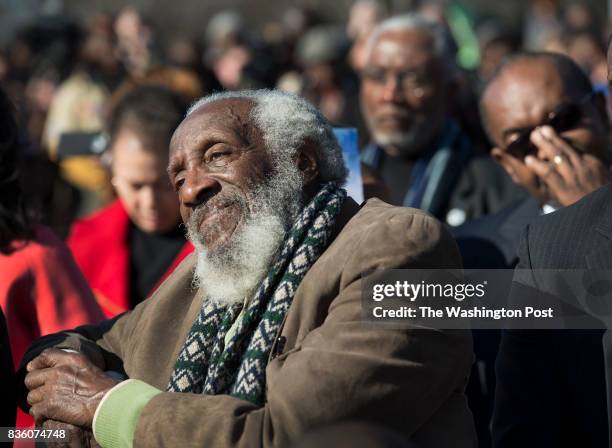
(205, 363)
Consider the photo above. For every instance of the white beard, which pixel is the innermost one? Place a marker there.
(232, 275)
(233, 272)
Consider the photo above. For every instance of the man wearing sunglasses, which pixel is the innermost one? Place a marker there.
(549, 133)
(554, 387)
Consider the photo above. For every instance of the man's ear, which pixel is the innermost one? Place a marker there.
(497, 155)
(307, 162)
(502, 159)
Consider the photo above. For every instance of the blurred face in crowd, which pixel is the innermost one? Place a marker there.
(141, 182)
(236, 201)
(404, 92)
(530, 94)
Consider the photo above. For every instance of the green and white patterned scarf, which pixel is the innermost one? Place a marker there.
(205, 364)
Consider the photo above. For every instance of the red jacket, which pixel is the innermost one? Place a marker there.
(99, 244)
(42, 292)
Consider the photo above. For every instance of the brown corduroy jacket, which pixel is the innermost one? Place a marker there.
(333, 365)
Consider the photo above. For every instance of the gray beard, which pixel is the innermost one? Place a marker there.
(409, 142)
(232, 273)
(405, 142)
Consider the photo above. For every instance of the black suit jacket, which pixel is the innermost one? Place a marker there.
(491, 242)
(551, 384)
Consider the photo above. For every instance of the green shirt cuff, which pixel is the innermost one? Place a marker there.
(115, 420)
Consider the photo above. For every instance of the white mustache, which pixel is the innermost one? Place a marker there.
(213, 206)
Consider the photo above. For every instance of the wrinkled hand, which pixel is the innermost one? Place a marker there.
(575, 176)
(65, 387)
(77, 437)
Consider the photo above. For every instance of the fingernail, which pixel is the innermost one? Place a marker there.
(546, 131)
(529, 160)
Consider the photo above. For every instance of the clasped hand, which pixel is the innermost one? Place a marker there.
(65, 387)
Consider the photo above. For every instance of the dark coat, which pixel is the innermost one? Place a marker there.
(490, 242)
(448, 180)
(551, 384)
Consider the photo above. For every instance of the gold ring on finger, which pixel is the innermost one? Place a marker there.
(558, 159)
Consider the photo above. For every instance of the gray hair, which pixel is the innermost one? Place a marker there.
(287, 122)
(443, 46)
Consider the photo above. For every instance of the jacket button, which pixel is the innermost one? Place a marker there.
(280, 346)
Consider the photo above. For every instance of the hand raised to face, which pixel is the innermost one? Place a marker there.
(568, 174)
(66, 387)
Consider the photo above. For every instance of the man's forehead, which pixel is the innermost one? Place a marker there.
(413, 46)
(522, 94)
(233, 109)
(521, 80)
(224, 115)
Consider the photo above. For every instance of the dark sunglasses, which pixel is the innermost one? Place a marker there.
(563, 118)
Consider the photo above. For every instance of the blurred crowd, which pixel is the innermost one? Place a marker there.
(97, 102)
(65, 76)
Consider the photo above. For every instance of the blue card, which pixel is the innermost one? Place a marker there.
(347, 137)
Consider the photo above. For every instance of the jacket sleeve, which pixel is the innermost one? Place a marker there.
(343, 369)
(104, 344)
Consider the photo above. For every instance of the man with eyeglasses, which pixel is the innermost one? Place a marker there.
(408, 88)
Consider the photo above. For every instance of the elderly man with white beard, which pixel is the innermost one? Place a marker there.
(258, 336)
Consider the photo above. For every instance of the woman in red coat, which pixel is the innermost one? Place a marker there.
(129, 247)
(41, 289)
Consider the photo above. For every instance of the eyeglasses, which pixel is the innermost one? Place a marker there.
(411, 82)
(565, 117)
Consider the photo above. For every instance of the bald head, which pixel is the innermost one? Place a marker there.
(526, 76)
